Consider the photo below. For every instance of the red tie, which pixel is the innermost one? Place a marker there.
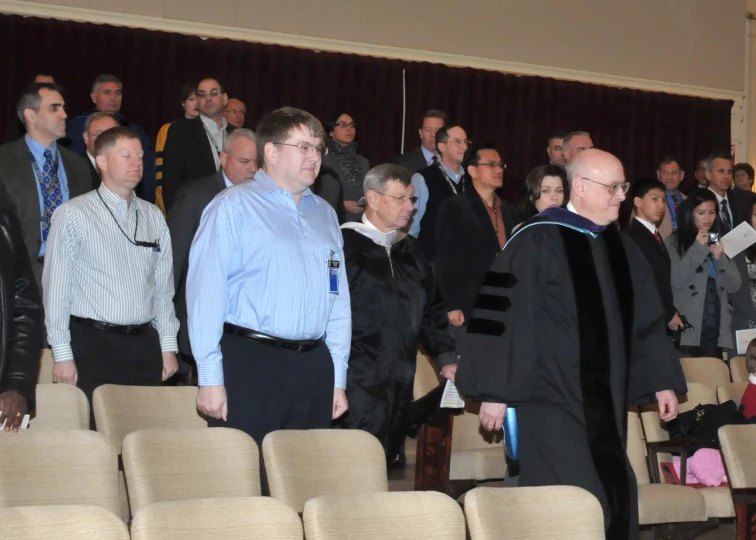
(657, 236)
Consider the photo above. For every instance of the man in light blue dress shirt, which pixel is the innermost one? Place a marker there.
(267, 298)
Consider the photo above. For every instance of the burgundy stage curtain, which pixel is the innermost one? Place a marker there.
(516, 113)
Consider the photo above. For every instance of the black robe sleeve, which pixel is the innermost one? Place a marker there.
(654, 364)
(499, 351)
(434, 327)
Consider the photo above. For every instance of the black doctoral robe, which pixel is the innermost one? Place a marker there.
(568, 329)
(395, 306)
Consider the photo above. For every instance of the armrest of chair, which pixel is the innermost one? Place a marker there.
(681, 445)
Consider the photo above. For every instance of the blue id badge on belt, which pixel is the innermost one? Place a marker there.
(333, 275)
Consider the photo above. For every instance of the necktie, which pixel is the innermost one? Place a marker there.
(51, 194)
(435, 159)
(725, 215)
(658, 237)
(676, 201)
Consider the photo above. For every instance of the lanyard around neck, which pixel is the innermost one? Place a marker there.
(35, 166)
(212, 139)
(449, 180)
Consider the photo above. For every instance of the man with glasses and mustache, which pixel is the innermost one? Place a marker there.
(267, 294)
(395, 307)
(194, 145)
(567, 330)
(437, 182)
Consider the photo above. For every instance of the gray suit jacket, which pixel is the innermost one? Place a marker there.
(18, 186)
(689, 277)
(183, 219)
(413, 161)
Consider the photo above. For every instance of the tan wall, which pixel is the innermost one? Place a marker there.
(690, 42)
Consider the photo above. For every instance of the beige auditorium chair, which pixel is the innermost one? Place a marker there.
(524, 513)
(426, 376)
(45, 367)
(60, 406)
(738, 444)
(189, 463)
(71, 522)
(477, 454)
(300, 465)
(738, 370)
(408, 515)
(659, 504)
(731, 392)
(237, 518)
(51, 467)
(705, 370)
(718, 500)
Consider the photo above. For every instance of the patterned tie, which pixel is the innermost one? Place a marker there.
(725, 215)
(658, 237)
(676, 199)
(51, 193)
(435, 159)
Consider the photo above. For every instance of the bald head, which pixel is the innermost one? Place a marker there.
(236, 112)
(598, 186)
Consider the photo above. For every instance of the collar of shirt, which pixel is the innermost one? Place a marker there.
(116, 203)
(647, 224)
(428, 155)
(366, 221)
(38, 151)
(456, 176)
(719, 197)
(752, 378)
(228, 182)
(263, 183)
(92, 159)
(212, 126)
(571, 208)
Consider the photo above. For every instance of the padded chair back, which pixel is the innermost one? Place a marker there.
(46, 364)
(53, 467)
(731, 392)
(555, 512)
(705, 370)
(738, 444)
(189, 463)
(301, 465)
(738, 370)
(636, 449)
(468, 434)
(60, 406)
(69, 522)
(239, 518)
(426, 377)
(419, 515)
(119, 410)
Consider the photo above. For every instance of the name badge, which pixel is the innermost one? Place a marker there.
(333, 276)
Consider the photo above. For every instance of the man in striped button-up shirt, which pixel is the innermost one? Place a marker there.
(107, 281)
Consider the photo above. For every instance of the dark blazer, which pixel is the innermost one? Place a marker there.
(187, 155)
(466, 246)
(21, 320)
(658, 259)
(96, 180)
(413, 161)
(183, 221)
(18, 186)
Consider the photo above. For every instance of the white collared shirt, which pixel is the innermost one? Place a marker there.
(92, 159)
(752, 378)
(719, 204)
(647, 224)
(216, 136)
(571, 208)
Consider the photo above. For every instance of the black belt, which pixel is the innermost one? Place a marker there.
(128, 329)
(289, 344)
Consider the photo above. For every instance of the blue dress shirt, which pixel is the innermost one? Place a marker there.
(421, 192)
(428, 155)
(260, 261)
(38, 152)
(671, 206)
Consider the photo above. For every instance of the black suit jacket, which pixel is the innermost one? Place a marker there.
(658, 259)
(183, 221)
(413, 161)
(466, 246)
(187, 155)
(94, 174)
(18, 186)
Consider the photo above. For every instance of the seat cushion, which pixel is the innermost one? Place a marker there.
(662, 503)
(718, 502)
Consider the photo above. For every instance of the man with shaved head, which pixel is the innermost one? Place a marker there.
(566, 331)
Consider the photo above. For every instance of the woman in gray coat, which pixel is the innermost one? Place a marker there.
(702, 277)
(343, 160)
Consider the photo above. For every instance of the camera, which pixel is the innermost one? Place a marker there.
(713, 238)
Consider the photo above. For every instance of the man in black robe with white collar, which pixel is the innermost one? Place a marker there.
(395, 307)
(568, 330)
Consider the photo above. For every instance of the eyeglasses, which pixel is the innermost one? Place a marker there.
(212, 93)
(493, 164)
(624, 186)
(403, 199)
(305, 148)
(459, 142)
(345, 124)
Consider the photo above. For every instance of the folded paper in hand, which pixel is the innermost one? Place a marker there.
(739, 239)
(451, 398)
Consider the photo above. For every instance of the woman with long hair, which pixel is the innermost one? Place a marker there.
(545, 186)
(702, 277)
